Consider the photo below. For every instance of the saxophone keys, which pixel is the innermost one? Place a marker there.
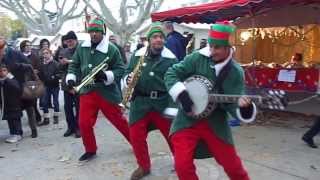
(151, 73)
(89, 65)
(144, 64)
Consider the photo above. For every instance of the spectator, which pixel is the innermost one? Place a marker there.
(296, 61)
(31, 105)
(17, 65)
(203, 43)
(175, 41)
(11, 103)
(113, 39)
(127, 51)
(49, 74)
(62, 46)
(71, 100)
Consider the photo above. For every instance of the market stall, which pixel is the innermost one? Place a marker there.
(293, 18)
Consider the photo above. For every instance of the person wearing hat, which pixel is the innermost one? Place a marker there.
(211, 136)
(150, 97)
(102, 94)
(71, 100)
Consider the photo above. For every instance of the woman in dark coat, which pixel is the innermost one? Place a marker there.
(31, 105)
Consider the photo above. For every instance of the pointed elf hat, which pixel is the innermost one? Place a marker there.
(96, 24)
(220, 32)
(156, 27)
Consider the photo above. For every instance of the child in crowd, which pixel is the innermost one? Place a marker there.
(10, 100)
(50, 75)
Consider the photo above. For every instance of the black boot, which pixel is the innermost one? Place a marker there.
(309, 141)
(87, 156)
(45, 122)
(34, 133)
(55, 119)
(69, 132)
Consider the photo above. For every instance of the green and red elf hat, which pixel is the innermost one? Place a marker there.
(156, 27)
(220, 32)
(96, 24)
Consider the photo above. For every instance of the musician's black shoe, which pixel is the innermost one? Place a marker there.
(309, 141)
(139, 173)
(87, 156)
(69, 132)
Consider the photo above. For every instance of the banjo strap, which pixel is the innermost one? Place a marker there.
(221, 77)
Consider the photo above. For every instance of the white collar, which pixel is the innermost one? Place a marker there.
(166, 53)
(102, 46)
(218, 67)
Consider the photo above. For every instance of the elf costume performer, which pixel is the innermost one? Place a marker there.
(103, 94)
(150, 97)
(190, 137)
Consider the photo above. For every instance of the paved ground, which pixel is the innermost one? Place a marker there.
(271, 150)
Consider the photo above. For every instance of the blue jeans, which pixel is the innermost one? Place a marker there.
(54, 92)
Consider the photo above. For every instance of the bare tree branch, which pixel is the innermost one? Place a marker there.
(43, 21)
(126, 26)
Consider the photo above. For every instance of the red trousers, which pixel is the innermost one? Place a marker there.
(139, 133)
(90, 104)
(184, 143)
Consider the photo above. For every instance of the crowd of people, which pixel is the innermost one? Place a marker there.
(157, 68)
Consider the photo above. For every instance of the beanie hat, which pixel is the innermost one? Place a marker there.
(156, 27)
(96, 24)
(70, 35)
(220, 32)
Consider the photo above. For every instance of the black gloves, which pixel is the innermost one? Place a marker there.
(100, 77)
(185, 101)
(246, 112)
(71, 84)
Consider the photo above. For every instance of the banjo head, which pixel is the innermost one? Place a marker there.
(199, 88)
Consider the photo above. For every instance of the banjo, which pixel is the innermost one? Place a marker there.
(202, 93)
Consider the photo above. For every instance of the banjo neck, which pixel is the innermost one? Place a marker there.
(222, 98)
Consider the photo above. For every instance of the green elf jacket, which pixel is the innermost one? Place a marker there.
(85, 59)
(151, 79)
(200, 63)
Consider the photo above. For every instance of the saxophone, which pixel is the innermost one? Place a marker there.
(135, 77)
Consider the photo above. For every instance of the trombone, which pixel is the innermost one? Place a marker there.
(88, 79)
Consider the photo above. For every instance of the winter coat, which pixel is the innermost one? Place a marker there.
(177, 44)
(11, 96)
(151, 79)
(86, 58)
(50, 74)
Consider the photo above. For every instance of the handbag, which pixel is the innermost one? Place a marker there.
(33, 87)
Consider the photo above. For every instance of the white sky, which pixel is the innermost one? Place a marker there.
(78, 24)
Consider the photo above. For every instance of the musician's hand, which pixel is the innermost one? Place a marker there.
(71, 84)
(244, 102)
(100, 77)
(186, 102)
(129, 78)
(64, 60)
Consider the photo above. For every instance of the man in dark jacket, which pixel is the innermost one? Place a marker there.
(71, 100)
(175, 41)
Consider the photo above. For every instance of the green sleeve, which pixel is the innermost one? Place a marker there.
(180, 71)
(74, 66)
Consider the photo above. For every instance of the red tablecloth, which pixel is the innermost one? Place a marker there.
(307, 79)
